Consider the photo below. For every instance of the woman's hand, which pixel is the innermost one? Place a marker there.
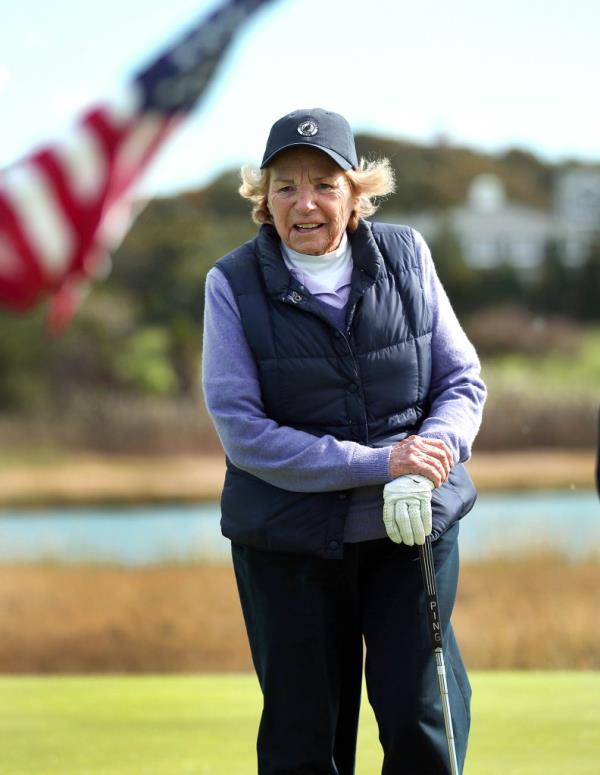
(417, 455)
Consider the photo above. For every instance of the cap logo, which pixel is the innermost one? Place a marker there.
(308, 128)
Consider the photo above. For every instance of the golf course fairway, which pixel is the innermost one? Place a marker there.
(524, 723)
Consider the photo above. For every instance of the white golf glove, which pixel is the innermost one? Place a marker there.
(407, 509)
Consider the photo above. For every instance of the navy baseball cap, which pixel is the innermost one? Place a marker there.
(315, 128)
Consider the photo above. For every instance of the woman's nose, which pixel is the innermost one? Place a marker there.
(305, 201)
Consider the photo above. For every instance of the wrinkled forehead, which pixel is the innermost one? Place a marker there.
(296, 162)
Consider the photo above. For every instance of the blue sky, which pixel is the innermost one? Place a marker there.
(491, 75)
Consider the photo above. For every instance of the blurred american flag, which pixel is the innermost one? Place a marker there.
(64, 207)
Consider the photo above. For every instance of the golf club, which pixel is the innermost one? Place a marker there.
(435, 629)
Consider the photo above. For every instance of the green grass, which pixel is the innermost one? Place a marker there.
(527, 723)
(549, 374)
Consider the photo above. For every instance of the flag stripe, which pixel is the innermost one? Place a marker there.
(22, 272)
(8, 264)
(36, 207)
(82, 161)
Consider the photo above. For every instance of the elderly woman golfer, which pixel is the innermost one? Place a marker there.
(346, 395)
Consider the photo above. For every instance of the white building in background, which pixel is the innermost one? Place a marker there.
(577, 206)
(493, 230)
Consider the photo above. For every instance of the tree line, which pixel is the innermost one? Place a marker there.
(139, 332)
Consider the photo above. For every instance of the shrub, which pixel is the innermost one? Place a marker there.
(512, 329)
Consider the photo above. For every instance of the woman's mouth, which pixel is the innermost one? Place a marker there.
(307, 227)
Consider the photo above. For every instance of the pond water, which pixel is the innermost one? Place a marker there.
(499, 523)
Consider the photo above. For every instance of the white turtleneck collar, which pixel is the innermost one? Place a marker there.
(329, 270)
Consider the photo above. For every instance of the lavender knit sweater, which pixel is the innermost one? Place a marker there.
(295, 460)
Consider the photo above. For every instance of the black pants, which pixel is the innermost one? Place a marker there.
(306, 619)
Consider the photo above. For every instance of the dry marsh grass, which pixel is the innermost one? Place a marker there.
(534, 469)
(101, 479)
(68, 478)
(61, 618)
(536, 611)
(532, 612)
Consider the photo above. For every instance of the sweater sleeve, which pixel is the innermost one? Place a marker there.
(457, 392)
(280, 455)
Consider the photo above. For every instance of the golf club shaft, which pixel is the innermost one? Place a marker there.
(441, 671)
(435, 631)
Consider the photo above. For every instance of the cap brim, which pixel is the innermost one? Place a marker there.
(339, 160)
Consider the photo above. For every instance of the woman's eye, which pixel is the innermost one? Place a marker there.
(284, 189)
(325, 186)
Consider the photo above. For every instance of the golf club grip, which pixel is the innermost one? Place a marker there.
(431, 598)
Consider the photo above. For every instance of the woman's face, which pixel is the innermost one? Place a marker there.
(310, 200)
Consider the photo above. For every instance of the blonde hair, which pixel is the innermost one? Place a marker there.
(371, 180)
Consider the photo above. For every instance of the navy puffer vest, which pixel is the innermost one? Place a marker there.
(368, 383)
